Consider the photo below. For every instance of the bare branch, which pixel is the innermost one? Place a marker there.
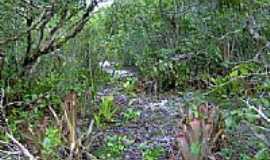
(257, 110)
(2, 98)
(29, 21)
(3, 118)
(55, 41)
(24, 150)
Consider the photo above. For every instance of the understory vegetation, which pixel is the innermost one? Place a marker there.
(135, 79)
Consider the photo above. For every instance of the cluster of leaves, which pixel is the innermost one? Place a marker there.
(152, 153)
(131, 115)
(106, 111)
(51, 141)
(113, 148)
(174, 43)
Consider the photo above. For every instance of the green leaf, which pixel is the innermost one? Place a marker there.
(195, 148)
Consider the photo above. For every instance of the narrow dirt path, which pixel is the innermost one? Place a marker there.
(156, 126)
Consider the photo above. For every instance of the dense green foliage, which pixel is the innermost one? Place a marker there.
(218, 50)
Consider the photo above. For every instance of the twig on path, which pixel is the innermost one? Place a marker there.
(24, 150)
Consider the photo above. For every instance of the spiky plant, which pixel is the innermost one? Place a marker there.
(199, 133)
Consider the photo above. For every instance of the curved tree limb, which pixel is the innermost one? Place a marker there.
(58, 35)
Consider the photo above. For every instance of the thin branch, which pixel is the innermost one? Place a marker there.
(29, 21)
(2, 98)
(252, 28)
(229, 33)
(234, 79)
(43, 16)
(29, 3)
(24, 150)
(80, 25)
(63, 17)
(15, 103)
(59, 124)
(2, 111)
(56, 42)
(257, 110)
(22, 103)
(10, 152)
(89, 131)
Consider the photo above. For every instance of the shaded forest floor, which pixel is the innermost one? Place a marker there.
(153, 130)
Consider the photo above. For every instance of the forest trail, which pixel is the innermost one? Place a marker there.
(135, 79)
(155, 126)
